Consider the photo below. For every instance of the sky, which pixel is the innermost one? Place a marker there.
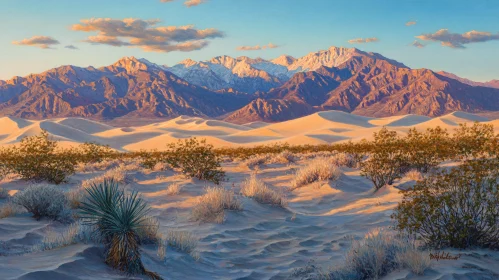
(461, 37)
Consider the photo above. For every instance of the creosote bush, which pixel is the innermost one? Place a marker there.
(319, 169)
(37, 158)
(456, 208)
(195, 159)
(119, 218)
(386, 161)
(256, 189)
(210, 207)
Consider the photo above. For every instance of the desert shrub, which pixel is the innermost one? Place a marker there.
(343, 159)
(10, 209)
(256, 160)
(426, 150)
(173, 189)
(102, 165)
(210, 207)
(319, 169)
(149, 232)
(119, 217)
(74, 197)
(195, 159)
(456, 208)
(183, 241)
(386, 161)
(4, 193)
(41, 201)
(472, 141)
(76, 233)
(256, 189)
(414, 175)
(117, 175)
(37, 158)
(283, 157)
(379, 253)
(93, 153)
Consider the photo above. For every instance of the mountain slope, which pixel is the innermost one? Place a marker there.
(371, 85)
(492, 83)
(130, 87)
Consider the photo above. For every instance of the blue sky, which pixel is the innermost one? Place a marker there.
(297, 27)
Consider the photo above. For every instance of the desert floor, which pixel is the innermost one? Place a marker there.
(260, 242)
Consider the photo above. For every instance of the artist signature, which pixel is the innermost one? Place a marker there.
(443, 256)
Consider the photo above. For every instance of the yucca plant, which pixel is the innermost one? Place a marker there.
(119, 217)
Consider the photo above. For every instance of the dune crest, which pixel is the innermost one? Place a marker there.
(318, 128)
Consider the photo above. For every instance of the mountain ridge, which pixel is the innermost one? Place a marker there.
(245, 89)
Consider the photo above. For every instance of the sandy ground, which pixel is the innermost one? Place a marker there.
(319, 128)
(260, 242)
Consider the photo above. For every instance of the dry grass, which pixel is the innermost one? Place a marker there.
(173, 189)
(10, 209)
(118, 174)
(256, 189)
(97, 166)
(149, 232)
(210, 207)
(343, 159)
(256, 161)
(9, 177)
(182, 241)
(379, 253)
(77, 232)
(319, 169)
(414, 175)
(283, 157)
(75, 197)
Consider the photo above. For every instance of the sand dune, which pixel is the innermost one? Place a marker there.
(318, 128)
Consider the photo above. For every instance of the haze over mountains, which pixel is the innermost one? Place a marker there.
(244, 89)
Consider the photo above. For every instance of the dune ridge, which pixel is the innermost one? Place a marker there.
(319, 128)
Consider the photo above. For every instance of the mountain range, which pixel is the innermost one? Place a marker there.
(246, 89)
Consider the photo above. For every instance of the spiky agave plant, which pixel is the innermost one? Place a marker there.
(119, 217)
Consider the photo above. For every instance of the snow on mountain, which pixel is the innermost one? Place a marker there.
(238, 72)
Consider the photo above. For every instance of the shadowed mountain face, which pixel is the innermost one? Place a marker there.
(130, 87)
(244, 89)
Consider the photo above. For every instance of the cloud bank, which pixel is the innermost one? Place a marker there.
(44, 42)
(257, 47)
(417, 44)
(145, 34)
(71, 47)
(188, 3)
(456, 40)
(363, 41)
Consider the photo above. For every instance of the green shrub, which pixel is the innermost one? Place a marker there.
(119, 218)
(42, 201)
(38, 159)
(456, 208)
(93, 152)
(195, 159)
(471, 141)
(426, 150)
(387, 160)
